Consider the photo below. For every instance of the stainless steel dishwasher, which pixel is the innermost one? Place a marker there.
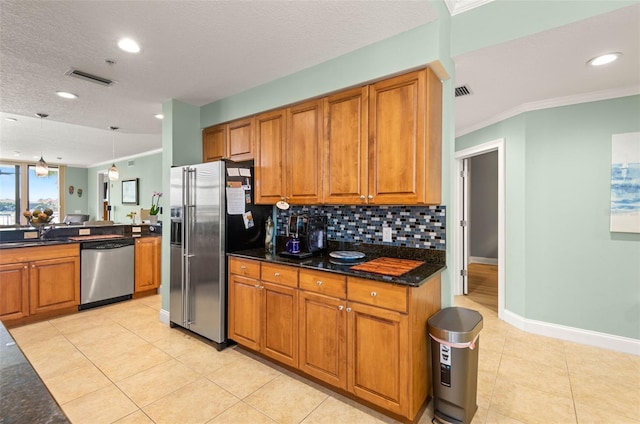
(106, 272)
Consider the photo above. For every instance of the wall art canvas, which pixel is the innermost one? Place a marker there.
(625, 183)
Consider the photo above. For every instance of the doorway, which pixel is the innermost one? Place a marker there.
(463, 224)
(104, 194)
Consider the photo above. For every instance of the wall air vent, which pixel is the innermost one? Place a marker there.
(89, 77)
(463, 90)
(131, 163)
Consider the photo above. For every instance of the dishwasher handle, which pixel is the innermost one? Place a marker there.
(106, 245)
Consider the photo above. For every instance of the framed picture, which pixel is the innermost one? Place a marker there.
(130, 192)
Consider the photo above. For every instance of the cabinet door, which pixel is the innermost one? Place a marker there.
(54, 284)
(378, 356)
(280, 323)
(345, 178)
(214, 143)
(245, 311)
(397, 140)
(240, 139)
(269, 161)
(147, 264)
(14, 291)
(323, 343)
(304, 153)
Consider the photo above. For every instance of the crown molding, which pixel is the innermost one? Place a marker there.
(551, 103)
(458, 6)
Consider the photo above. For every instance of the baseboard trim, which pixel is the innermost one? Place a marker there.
(572, 334)
(164, 317)
(481, 260)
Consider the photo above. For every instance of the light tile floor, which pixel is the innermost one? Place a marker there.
(119, 364)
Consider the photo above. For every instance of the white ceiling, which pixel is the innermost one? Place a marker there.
(202, 51)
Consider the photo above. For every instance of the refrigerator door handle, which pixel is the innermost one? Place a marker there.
(185, 244)
(189, 211)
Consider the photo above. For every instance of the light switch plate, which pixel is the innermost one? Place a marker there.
(136, 229)
(386, 235)
(84, 231)
(30, 235)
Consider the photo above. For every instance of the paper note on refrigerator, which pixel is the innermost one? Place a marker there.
(233, 172)
(235, 201)
(245, 172)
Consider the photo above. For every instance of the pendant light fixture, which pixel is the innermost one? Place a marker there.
(113, 172)
(42, 169)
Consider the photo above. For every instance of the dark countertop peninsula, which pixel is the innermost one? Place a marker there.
(23, 396)
(434, 261)
(11, 238)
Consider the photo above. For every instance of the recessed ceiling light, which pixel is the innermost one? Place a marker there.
(11, 119)
(66, 95)
(604, 59)
(159, 116)
(128, 45)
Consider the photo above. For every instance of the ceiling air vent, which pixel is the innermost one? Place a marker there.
(463, 90)
(89, 77)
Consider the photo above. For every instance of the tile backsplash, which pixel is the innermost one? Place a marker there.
(411, 226)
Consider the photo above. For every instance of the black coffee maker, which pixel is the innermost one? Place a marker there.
(306, 236)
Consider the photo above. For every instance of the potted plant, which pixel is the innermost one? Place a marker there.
(155, 207)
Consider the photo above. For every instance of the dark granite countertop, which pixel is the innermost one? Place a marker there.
(23, 396)
(434, 261)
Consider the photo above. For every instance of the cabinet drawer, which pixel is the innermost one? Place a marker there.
(244, 267)
(324, 283)
(379, 294)
(279, 274)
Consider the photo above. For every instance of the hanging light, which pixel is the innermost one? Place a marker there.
(113, 172)
(42, 169)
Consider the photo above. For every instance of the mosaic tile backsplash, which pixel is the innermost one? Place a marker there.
(411, 226)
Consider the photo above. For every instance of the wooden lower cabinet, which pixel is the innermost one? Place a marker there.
(147, 251)
(280, 323)
(14, 291)
(39, 280)
(322, 324)
(377, 356)
(52, 286)
(364, 337)
(263, 315)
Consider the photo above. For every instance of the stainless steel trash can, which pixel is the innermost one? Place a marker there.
(455, 342)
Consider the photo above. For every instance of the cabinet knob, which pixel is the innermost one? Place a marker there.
(370, 196)
(362, 196)
(25, 267)
(243, 267)
(348, 309)
(33, 266)
(340, 307)
(374, 294)
(256, 286)
(319, 283)
(276, 274)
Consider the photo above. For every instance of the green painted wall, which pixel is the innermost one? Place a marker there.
(148, 171)
(563, 266)
(505, 20)
(408, 50)
(76, 177)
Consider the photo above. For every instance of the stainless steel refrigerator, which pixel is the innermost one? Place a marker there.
(212, 213)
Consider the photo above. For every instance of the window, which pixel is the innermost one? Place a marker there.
(20, 190)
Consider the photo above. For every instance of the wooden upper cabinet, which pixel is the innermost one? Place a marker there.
(304, 153)
(214, 143)
(240, 139)
(269, 158)
(433, 125)
(397, 140)
(345, 178)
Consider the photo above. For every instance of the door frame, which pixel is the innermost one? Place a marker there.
(458, 260)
